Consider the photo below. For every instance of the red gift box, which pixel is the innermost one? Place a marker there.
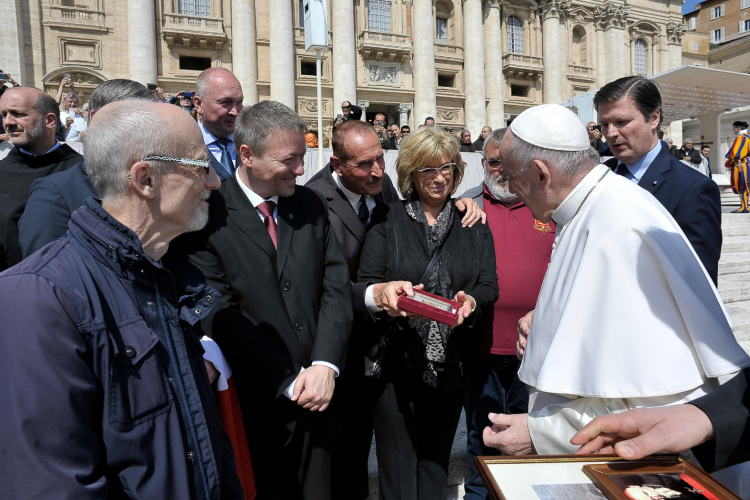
(430, 306)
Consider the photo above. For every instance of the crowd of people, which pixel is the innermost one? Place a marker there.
(584, 294)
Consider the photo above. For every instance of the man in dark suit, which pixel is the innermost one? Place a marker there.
(284, 316)
(54, 198)
(10, 211)
(218, 99)
(630, 113)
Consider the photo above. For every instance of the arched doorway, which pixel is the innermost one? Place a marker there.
(85, 80)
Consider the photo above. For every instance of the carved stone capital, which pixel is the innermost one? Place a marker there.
(493, 4)
(675, 32)
(404, 108)
(611, 16)
(555, 8)
(363, 104)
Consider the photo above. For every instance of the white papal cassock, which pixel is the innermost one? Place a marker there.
(626, 317)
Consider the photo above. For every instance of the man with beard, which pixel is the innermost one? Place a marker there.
(30, 117)
(522, 250)
(105, 394)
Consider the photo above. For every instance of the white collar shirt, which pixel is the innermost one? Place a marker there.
(256, 199)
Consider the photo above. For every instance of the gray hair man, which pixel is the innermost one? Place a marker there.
(71, 112)
(218, 99)
(285, 315)
(522, 250)
(54, 198)
(121, 380)
(615, 247)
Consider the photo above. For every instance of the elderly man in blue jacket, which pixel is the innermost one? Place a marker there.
(103, 390)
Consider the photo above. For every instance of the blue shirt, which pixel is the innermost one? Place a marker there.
(57, 145)
(210, 140)
(639, 168)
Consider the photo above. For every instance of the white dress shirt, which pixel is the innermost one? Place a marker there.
(255, 199)
(353, 198)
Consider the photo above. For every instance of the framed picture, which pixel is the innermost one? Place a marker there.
(549, 477)
(646, 481)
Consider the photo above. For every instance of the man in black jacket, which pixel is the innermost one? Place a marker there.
(688, 153)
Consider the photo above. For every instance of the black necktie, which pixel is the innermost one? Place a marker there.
(226, 158)
(363, 213)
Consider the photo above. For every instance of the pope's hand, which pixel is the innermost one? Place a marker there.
(524, 327)
(313, 389)
(473, 213)
(466, 306)
(509, 434)
(637, 433)
(386, 296)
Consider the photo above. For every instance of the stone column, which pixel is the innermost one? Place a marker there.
(282, 53)
(11, 40)
(423, 61)
(403, 114)
(552, 54)
(601, 52)
(344, 56)
(244, 50)
(615, 40)
(364, 105)
(474, 105)
(493, 65)
(142, 41)
(675, 31)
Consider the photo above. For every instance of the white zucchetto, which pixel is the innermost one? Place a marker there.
(551, 126)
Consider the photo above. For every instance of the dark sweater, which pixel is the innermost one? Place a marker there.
(18, 170)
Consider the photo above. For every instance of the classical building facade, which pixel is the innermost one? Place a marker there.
(469, 63)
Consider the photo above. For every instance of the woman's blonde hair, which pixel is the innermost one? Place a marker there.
(427, 145)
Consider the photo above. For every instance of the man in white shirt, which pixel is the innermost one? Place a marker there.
(71, 112)
(627, 317)
(284, 317)
(218, 99)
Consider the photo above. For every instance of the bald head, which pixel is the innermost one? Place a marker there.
(30, 118)
(218, 98)
(127, 131)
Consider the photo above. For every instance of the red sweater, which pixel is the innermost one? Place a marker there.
(522, 249)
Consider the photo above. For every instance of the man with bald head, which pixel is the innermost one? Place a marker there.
(218, 99)
(30, 118)
(105, 391)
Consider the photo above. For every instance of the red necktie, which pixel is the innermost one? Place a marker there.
(266, 208)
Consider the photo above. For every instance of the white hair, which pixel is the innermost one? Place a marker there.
(126, 135)
(567, 163)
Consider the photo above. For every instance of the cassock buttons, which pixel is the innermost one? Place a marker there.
(286, 286)
(130, 352)
(298, 327)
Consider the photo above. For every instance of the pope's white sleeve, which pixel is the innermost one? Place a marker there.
(552, 427)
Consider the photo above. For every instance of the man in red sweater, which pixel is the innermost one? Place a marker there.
(522, 249)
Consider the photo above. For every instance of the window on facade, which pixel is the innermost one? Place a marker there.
(717, 36)
(195, 7)
(444, 80)
(694, 46)
(195, 63)
(579, 46)
(717, 12)
(519, 90)
(441, 30)
(691, 23)
(744, 4)
(308, 68)
(745, 26)
(379, 15)
(640, 57)
(301, 22)
(515, 35)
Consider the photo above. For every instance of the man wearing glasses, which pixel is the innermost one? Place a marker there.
(105, 392)
(349, 112)
(522, 249)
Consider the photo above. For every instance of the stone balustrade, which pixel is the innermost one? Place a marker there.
(383, 45)
(76, 16)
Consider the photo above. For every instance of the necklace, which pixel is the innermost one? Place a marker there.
(567, 224)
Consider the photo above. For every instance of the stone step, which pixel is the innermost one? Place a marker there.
(740, 313)
(735, 244)
(735, 287)
(728, 230)
(732, 263)
(734, 219)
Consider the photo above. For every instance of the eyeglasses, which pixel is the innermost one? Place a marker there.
(344, 108)
(191, 162)
(405, 132)
(444, 170)
(494, 163)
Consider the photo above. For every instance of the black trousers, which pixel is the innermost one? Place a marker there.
(414, 429)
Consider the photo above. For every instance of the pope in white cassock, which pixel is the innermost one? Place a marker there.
(627, 316)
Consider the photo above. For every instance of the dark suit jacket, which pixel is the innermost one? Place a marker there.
(396, 249)
(10, 211)
(349, 231)
(728, 408)
(693, 200)
(694, 154)
(278, 311)
(391, 143)
(52, 200)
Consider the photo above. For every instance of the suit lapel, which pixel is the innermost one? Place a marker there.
(247, 218)
(339, 204)
(285, 213)
(653, 178)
